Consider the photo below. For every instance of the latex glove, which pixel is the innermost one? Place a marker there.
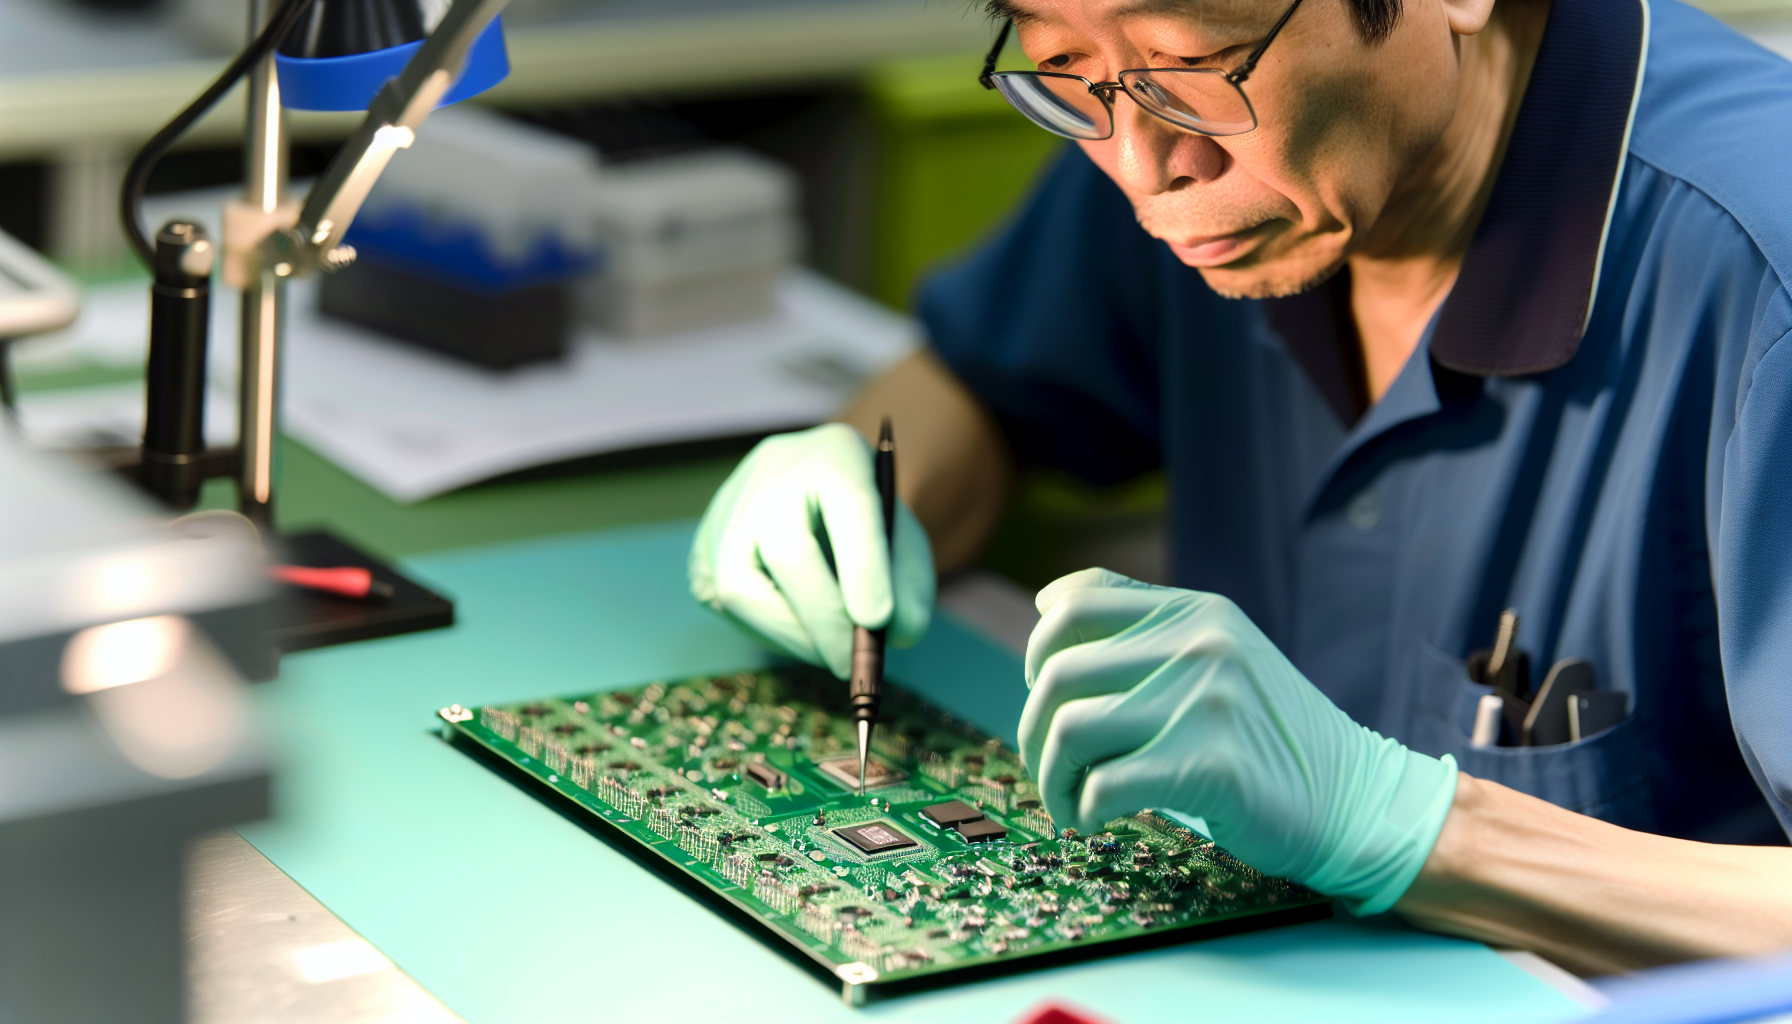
(762, 553)
(1152, 697)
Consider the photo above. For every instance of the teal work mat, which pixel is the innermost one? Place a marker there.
(508, 912)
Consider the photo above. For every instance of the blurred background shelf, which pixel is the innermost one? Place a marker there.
(72, 75)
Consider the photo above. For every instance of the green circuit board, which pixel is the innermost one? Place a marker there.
(744, 788)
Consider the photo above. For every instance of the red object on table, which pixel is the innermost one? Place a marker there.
(347, 580)
(1057, 1013)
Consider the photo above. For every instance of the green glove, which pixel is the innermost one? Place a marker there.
(792, 549)
(1153, 697)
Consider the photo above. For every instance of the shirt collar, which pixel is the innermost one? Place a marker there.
(1528, 281)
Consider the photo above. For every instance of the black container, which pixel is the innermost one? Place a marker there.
(499, 330)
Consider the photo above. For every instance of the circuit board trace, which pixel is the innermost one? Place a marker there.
(947, 865)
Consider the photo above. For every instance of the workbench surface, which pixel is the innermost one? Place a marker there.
(504, 910)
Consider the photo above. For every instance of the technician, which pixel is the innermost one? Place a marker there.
(1429, 309)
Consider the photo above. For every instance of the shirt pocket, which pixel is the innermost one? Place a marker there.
(1604, 776)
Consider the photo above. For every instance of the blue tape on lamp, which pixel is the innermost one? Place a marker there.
(350, 83)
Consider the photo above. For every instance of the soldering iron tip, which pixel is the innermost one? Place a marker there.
(864, 751)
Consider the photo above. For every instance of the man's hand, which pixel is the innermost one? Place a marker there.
(792, 549)
(1149, 696)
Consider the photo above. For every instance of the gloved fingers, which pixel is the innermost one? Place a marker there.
(1086, 733)
(1197, 777)
(746, 592)
(1086, 579)
(754, 604)
(1060, 776)
(1089, 610)
(1109, 665)
(915, 580)
(794, 560)
(847, 501)
(702, 564)
(1115, 789)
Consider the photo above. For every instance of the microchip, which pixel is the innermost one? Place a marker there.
(981, 831)
(765, 775)
(951, 813)
(875, 837)
(845, 770)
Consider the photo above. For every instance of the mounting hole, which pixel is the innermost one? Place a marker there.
(856, 973)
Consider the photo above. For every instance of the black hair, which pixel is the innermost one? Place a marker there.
(1375, 19)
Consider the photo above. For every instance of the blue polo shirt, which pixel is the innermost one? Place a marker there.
(1596, 428)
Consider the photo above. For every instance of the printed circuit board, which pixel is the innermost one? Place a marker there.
(744, 787)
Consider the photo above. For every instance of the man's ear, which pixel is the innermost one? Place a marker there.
(1467, 17)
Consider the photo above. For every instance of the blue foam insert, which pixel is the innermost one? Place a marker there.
(457, 254)
(350, 83)
(508, 912)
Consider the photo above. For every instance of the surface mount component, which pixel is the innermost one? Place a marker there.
(845, 771)
(734, 787)
(765, 775)
(951, 813)
(876, 837)
(981, 831)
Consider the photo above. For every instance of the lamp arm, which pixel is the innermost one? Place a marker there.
(315, 242)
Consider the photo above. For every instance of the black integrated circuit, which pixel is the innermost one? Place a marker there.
(950, 813)
(875, 837)
(980, 831)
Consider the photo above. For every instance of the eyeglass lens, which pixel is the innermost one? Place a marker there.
(1061, 104)
(1199, 99)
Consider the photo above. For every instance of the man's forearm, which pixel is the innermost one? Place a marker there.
(953, 468)
(1513, 870)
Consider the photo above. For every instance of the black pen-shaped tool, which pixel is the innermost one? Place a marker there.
(868, 644)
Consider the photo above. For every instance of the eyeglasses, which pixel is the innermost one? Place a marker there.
(1204, 100)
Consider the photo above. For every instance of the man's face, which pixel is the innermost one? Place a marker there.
(1340, 121)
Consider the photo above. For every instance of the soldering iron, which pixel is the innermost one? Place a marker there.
(868, 644)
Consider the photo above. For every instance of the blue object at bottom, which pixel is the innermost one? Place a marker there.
(1712, 992)
(351, 83)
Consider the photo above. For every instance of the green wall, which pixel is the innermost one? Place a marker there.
(953, 160)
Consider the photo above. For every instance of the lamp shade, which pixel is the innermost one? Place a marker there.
(343, 51)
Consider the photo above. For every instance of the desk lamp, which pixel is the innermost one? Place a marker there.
(396, 61)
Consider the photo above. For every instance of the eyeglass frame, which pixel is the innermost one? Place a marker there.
(1104, 91)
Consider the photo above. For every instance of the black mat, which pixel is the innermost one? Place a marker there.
(303, 618)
